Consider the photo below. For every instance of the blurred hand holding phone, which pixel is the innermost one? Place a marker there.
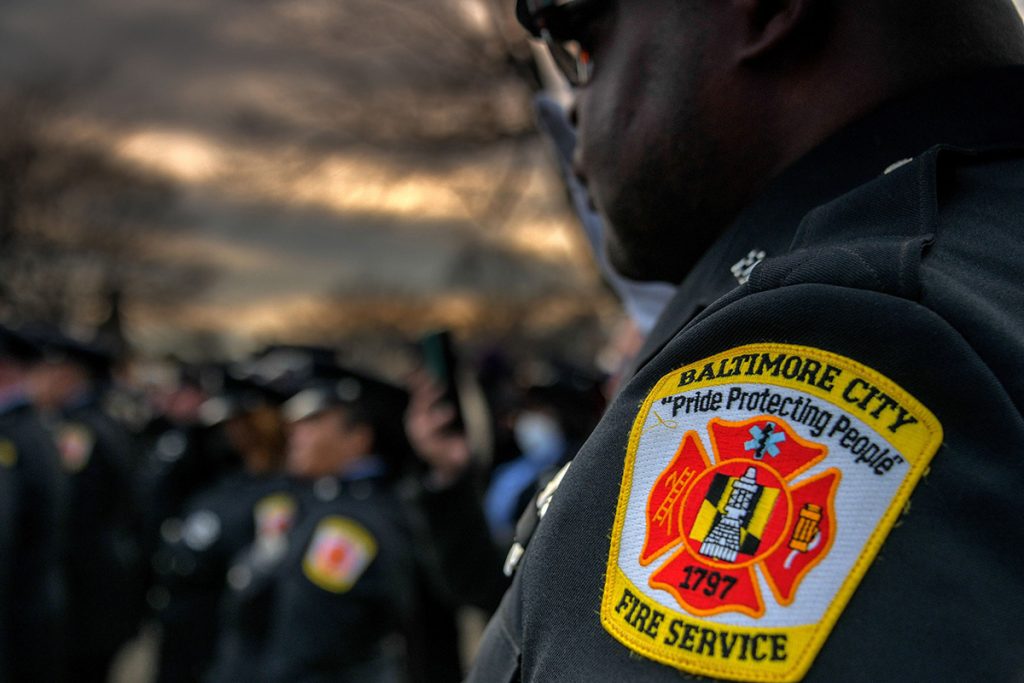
(434, 420)
(441, 364)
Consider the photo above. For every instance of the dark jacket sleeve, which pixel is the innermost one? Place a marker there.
(469, 561)
(10, 502)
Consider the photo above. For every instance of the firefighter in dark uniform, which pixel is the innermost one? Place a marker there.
(105, 580)
(814, 472)
(451, 499)
(216, 524)
(335, 595)
(31, 522)
(181, 456)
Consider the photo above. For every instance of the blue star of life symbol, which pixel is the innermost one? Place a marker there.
(764, 441)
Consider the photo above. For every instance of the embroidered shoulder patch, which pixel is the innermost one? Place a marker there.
(75, 442)
(274, 515)
(759, 485)
(339, 553)
(8, 454)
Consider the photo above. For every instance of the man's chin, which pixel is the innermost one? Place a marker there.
(633, 264)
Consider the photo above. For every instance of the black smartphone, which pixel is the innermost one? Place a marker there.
(441, 361)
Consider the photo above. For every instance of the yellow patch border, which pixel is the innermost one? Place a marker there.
(812, 636)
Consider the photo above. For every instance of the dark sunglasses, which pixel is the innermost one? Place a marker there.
(562, 24)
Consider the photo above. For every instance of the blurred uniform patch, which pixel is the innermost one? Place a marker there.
(339, 553)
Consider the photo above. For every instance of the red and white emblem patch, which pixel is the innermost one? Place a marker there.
(75, 443)
(338, 554)
(274, 515)
(759, 485)
(749, 508)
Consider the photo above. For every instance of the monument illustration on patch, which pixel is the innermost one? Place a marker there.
(759, 484)
(750, 508)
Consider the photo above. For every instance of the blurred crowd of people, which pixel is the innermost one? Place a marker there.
(281, 518)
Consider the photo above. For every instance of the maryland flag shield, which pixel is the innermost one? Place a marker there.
(759, 485)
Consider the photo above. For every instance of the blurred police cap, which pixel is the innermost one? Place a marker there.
(239, 393)
(83, 350)
(17, 347)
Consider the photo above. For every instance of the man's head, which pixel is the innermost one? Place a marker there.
(56, 381)
(68, 370)
(692, 106)
(249, 414)
(327, 443)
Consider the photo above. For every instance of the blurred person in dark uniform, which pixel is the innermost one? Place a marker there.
(331, 599)
(32, 518)
(105, 564)
(199, 543)
(181, 454)
(549, 424)
(472, 516)
(828, 412)
(451, 495)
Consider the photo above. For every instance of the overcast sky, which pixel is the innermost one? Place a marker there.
(320, 148)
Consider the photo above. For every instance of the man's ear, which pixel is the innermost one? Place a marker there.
(771, 25)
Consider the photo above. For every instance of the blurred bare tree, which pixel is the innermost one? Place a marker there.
(427, 83)
(436, 75)
(77, 227)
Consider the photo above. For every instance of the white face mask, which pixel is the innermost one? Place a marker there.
(538, 435)
(643, 301)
